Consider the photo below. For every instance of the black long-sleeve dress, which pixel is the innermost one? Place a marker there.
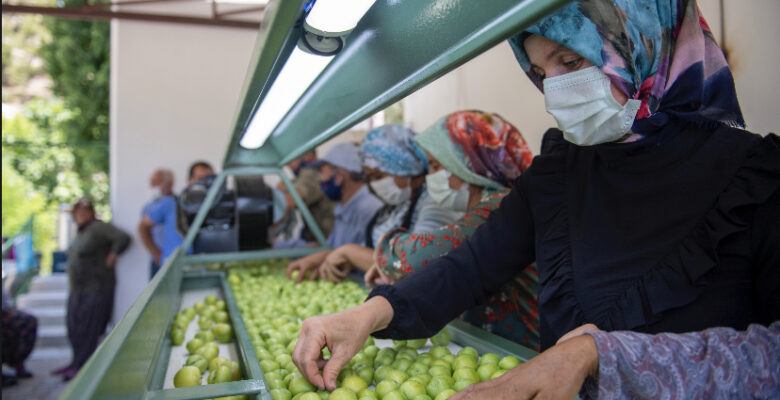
(677, 232)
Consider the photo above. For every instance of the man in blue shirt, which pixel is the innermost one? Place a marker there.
(341, 178)
(161, 184)
(163, 213)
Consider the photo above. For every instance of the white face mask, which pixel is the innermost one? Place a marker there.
(389, 192)
(583, 105)
(438, 185)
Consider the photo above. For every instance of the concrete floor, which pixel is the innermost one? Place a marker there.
(42, 386)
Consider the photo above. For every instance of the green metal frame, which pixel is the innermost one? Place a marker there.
(396, 48)
(386, 55)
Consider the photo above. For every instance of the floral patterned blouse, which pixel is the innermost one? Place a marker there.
(511, 313)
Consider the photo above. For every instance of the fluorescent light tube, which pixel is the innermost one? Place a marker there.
(330, 17)
(298, 73)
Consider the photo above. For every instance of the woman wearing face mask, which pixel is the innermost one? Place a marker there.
(473, 158)
(652, 213)
(395, 168)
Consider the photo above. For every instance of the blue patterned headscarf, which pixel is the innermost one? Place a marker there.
(660, 52)
(391, 150)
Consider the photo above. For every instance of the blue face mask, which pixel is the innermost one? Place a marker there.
(331, 189)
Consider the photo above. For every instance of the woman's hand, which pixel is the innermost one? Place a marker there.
(336, 266)
(343, 333)
(557, 373)
(306, 264)
(375, 276)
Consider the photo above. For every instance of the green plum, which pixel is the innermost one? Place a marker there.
(343, 394)
(394, 395)
(177, 337)
(208, 352)
(485, 371)
(205, 336)
(210, 300)
(187, 376)
(497, 373)
(194, 345)
(439, 351)
(367, 394)
(386, 386)
(509, 362)
(461, 384)
(412, 388)
(221, 375)
(281, 394)
(468, 351)
(466, 374)
(221, 316)
(445, 394)
(489, 358)
(398, 376)
(217, 361)
(197, 360)
(438, 384)
(204, 323)
(223, 332)
(416, 343)
(465, 362)
(354, 383)
(198, 306)
(442, 338)
(299, 384)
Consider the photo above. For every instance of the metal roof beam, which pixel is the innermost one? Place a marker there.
(91, 13)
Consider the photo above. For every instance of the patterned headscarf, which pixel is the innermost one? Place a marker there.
(480, 148)
(391, 150)
(661, 52)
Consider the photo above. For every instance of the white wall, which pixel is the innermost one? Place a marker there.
(174, 91)
(491, 82)
(495, 82)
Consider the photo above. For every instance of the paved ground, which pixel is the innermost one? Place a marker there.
(42, 386)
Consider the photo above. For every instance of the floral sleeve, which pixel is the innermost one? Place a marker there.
(715, 363)
(400, 253)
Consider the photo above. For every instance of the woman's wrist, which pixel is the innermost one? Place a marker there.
(588, 355)
(378, 312)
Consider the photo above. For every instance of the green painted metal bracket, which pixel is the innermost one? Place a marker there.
(310, 222)
(200, 217)
(397, 48)
(275, 41)
(485, 342)
(90, 378)
(249, 386)
(250, 255)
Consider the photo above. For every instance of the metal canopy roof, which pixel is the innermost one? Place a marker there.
(398, 47)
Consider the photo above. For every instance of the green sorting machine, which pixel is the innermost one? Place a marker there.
(353, 72)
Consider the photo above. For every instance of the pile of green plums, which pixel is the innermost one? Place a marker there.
(273, 308)
(213, 322)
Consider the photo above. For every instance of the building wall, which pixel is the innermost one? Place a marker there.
(174, 91)
(494, 81)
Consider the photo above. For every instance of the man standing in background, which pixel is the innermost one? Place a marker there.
(161, 184)
(307, 184)
(92, 280)
(164, 213)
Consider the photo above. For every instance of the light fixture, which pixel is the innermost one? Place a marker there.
(324, 31)
(336, 17)
(300, 70)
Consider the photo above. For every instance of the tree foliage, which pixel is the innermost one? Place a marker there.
(77, 58)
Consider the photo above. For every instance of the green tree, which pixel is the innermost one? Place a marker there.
(20, 201)
(77, 58)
